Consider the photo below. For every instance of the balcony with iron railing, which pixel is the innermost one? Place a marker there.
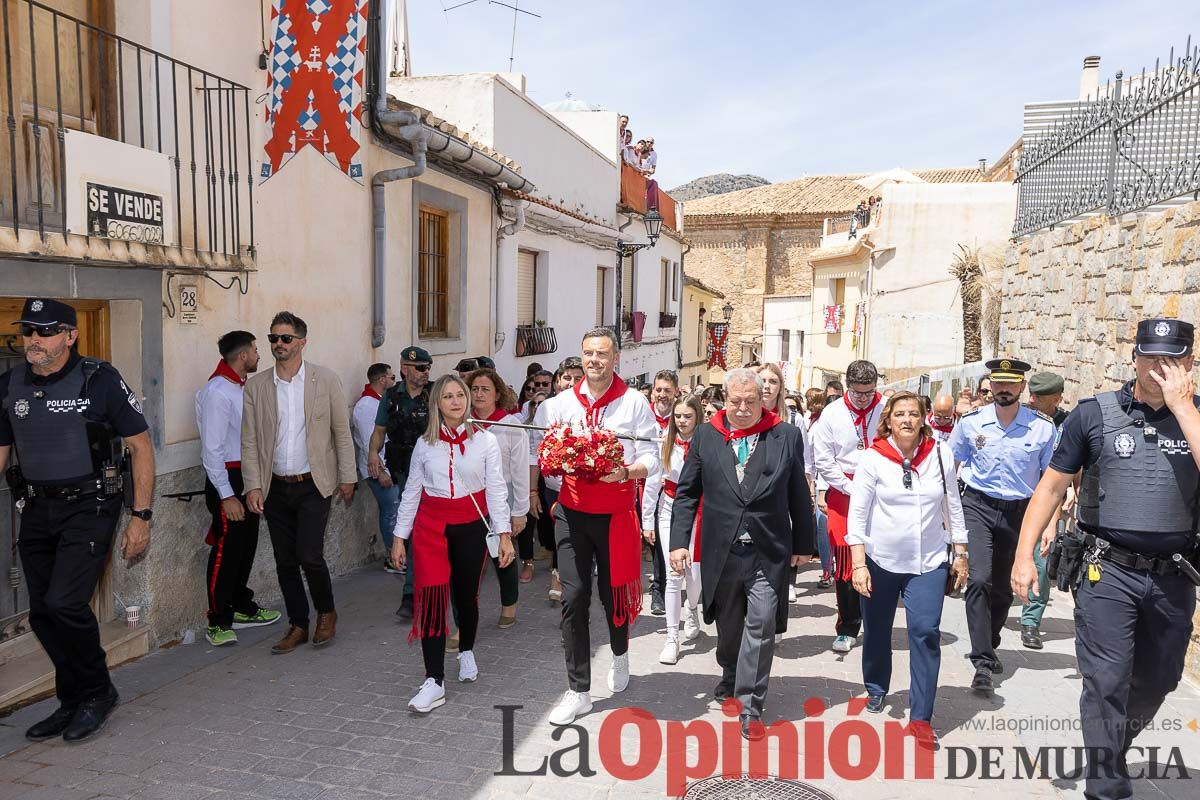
(535, 340)
(110, 140)
(636, 197)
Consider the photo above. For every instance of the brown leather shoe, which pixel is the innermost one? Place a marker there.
(294, 637)
(326, 628)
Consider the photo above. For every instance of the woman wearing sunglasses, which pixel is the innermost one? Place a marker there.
(905, 514)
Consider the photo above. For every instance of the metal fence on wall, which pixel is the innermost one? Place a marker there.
(1134, 144)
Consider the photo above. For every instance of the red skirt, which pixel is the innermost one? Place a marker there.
(431, 557)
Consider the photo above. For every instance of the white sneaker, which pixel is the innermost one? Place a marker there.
(618, 674)
(430, 696)
(791, 593)
(572, 705)
(467, 670)
(842, 644)
(670, 652)
(691, 624)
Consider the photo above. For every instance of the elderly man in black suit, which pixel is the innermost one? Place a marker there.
(747, 466)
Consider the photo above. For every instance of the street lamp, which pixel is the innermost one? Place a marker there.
(727, 311)
(654, 222)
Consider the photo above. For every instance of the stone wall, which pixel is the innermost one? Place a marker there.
(1072, 298)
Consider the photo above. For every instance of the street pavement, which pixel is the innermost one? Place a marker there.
(237, 723)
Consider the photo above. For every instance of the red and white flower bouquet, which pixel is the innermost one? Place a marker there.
(579, 451)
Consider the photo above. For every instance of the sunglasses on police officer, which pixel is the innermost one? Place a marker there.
(42, 331)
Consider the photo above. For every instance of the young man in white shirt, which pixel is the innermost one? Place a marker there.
(233, 534)
(380, 378)
(663, 394)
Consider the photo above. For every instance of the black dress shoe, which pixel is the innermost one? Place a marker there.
(753, 729)
(405, 611)
(1031, 637)
(91, 715)
(658, 606)
(875, 703)
(723, 692)
(997, 667)
(51, 726)
(982, 684)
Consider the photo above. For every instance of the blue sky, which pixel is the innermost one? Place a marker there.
(781, 89)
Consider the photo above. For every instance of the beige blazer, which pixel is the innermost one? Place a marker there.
(327, 425)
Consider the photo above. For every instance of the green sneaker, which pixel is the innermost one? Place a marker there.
(220, 636)
(264, 616)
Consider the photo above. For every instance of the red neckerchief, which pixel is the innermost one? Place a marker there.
(228, 373)
(460, 439)
(662, 421)
(769, 420)
(943, 428)
(886, 449)
(860, 419)
(369, 391)
(495, 416)
(684, 445)
(592, 409)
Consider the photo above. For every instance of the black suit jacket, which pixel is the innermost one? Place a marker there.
(772, 503)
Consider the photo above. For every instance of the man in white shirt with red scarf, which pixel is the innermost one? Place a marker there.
(599, 521)
(845, 430)
(663, 394)
(942, 418)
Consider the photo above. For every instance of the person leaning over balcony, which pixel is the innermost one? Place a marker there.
(455, 485)
(904, 512)
(629, 151)
(648, 166)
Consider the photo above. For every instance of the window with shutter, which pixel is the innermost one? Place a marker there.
(526, 287)
(785, 344)
(664, 303)
(627, 281)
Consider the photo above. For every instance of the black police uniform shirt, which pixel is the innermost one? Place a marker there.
(109, 400)
(1080, 444)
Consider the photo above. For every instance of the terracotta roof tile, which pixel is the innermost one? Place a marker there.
(952, 175)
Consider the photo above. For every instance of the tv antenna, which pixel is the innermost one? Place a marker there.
(516, 9)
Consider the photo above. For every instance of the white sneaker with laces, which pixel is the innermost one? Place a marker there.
(670, 652)
(691, 624)
(572, 705)
(429, 697)
(791, 593)
(842, 644)
(618, 674)
(467, 670)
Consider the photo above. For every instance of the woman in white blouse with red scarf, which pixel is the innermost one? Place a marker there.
(905, 514)
(455, 484)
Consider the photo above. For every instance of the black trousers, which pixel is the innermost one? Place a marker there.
(993, 529)
(582, 539)
(64, 545)
(545, 521)
(466, 547)
(849, 616)
(1131, 638)
(296, 517)
(230, 557)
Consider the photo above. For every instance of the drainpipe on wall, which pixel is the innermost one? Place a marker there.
(679, 308)
(503, 231)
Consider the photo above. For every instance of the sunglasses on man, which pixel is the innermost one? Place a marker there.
(42, 331)
(420, 367)
(286, 338)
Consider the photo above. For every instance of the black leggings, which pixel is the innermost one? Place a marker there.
(545, 522)
(466, 548)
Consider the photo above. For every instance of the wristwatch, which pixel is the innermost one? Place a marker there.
(145, 514)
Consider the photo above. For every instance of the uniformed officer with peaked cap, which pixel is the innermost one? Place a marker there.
(1003, 449)
(67, 415)
(1138, 507)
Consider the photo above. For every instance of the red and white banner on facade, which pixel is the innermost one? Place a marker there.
(833, 319)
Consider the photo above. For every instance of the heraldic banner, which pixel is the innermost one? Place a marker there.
(315, 86)
(718, 341)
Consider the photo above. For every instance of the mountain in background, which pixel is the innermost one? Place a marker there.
(720, 183)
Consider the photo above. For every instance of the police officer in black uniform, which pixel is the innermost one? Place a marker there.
(67, 416)
(402, 417)
(1138, 507)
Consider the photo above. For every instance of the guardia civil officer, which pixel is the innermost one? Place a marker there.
(1003, 448)
(68, 417)
(401, 420)
(1139, 499)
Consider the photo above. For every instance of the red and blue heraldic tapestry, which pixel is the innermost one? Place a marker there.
(315, 86)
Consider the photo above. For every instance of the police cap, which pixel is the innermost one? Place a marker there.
(1164, 337)
(43, 311)
(1007, 370)
(415, 355)
(1045, 383)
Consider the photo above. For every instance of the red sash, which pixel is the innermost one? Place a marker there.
(624, 537)
(431, 558)
(837, 506)
(669, 488)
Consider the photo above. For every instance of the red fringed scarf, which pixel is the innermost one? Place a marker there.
(228, 373)
(620, 500)
(769, 420)
(369, 391)
(431, 558)
(860, 419)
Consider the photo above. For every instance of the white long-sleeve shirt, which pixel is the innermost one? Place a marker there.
(629, 414)
(479, 468)
(838, 444)
(362, 425)
(514, 466)
(655, 500)
(291, 437)
(906, 530)
(219, 418)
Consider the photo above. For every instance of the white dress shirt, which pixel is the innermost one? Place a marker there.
(291, 437)
(629, 414)
(514, 457)
(906, 531)
(650, 163)
(219, 418)
(474, 470)
(837, 443)
(362, 426)
(656, 503)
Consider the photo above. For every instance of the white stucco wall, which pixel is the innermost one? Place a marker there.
(833, 352)
(793, 314)
(599, 128)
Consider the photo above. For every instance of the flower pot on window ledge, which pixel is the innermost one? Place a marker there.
(666, 319)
